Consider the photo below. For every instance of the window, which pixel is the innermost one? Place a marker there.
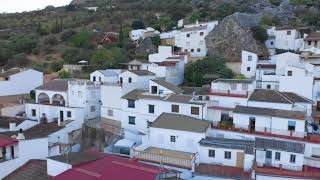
(93, 108)
(161, 91)
(288, 32)
(233, 86)
(174, 108)
(289, 73)
(188, 35)
(268, 86)
(277, 156)
(201, 33)
(69, 114)
(207, 98)
(268, 154)
(211, 153)
(151, 109)
(248, 68)
(154, 89)
(94, 78)
(309, 43)
(198, 50)
(200, 98)
(33, 112)
(110, 112)
(195, 110)
(292, 158)
(121, 80)
(129, 79)
(131, 104)
(172, 139)
(192, 50)
(186, 50)
(149, 123)
(99, 79)
(315, 43)
(245, 87)
(271, 43)
(250, 58)
(132, 120)
(227, 155)
(291, 125)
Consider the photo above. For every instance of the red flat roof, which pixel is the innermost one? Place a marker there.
(112, 168)
(7, 141)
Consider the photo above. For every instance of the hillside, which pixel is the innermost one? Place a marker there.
(51, 37)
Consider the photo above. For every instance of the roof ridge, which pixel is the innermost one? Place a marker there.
(284, 96)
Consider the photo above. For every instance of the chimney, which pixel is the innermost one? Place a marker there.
(197, 22)
(12, 126)
(20, 135)
(2, 70)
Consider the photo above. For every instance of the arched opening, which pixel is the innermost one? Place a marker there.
(58, 99)
(43, 98)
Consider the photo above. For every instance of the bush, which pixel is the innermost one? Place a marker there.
(32, 94)
(210, 65)
(64, 74)
(137, 24)
(51, 40)
(67, 34)
(259, 33)
(275, 2)
(107, 58)
(81, 39)
(56, 66)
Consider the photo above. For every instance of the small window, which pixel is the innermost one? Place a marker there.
(244, 87)
(33, 112)
(132, 120)
(195, 110)
(186, 50)
(288, 32)
(161, 91)
(188, 35)
(268, 154)
(309, 43)
(250, 58)
(94, 78)
(99, 79)
(151, 109)
(248, 68)
(291, 125)
(69, 114)
(271, 43)
(268, 86)
(292, 158)
(154, 89)
(198, 50)
(110, 112)
(121, 80)
(131, 104)
(207, 98)
(278, 156)
(212, 153)
(192, 50)
(289, 73)
(93, 108)
(233, 86)
(149, 123)
(200, 98)
(227, 155)
(172, 139)
(130, 80)
(201, 33)
(175, 108)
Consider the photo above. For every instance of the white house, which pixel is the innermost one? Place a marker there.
(143, 33)
(191, 38)
(288, 38)
(65, 100)
(225, 95)
(175, 137)
(227, 152)
(22, 146)
(108, 75)
(274, 121)
(279, 153)
(19, 81)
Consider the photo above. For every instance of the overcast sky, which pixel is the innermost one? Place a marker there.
(28, 5)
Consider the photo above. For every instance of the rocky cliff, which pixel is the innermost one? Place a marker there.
(232, 35)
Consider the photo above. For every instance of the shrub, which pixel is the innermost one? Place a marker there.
(259, 33)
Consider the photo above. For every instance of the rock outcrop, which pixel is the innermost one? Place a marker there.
(232, 35)
(146, 47)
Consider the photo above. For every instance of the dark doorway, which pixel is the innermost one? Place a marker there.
(252, 123)
(61, 116)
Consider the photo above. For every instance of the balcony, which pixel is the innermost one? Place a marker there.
(229, 93)
(270, 132)
(216, 106)
(165, 156)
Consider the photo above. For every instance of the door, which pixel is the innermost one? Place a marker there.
(318, 105)
(61, 116)
(268, 157)
(252, 123)
(12, 152)
(240, 160)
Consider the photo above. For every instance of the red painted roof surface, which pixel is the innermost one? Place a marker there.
(111, 168)
(7, 141)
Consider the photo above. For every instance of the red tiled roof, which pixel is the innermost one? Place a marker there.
(7, 141)
(111, 168)
(313, 36)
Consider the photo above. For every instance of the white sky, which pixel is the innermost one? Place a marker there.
(28, 5)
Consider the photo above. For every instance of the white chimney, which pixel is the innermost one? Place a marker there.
(20, 135)
(12, 126)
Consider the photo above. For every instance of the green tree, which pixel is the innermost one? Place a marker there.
(259, 33)
(107, 57)
(81, 39)
(165, 23)
(70, 55)
(137, 24)
(194, 17)
(56, 66)
(64, 74)
(210, 65)
(22, 43)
